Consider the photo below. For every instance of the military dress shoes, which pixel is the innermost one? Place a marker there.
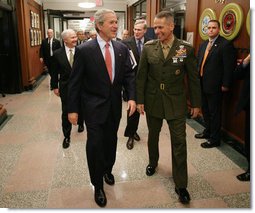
(66, 143)
(209, 144)
(183, 194)
(109, 179)
(80, 128)
(100, 197)
(201, 136)
(150, 170)
(130, 143)
(244, 176)
(136, 137)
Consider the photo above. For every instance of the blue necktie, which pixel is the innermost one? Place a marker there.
(139, 47)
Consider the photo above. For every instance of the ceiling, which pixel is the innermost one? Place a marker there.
(116, 5)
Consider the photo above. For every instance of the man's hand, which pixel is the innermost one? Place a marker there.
(73, 118)
(224, 89)
(140, 108)
(131, 107)
(56, 92)
(194, 112)
(41, 60)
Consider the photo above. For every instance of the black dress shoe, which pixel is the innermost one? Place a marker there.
(209, 144)
(109, 179)
(130, 143)
(150, 170)
(136, 137)
(183, 194)
(100, 197)
(80, 128)
(201, 136)
(244, 176)
(66, 143)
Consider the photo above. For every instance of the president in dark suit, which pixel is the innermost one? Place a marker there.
(135, 44)
(101, 67)
(216, 63)
(61, 71)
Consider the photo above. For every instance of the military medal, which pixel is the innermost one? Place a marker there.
(174, 60)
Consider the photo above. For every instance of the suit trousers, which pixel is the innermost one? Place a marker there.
(211, 109)
(247, 134)
(66, 125)
(132, 124)
(48, 63)
(101, 148)
(177, 128)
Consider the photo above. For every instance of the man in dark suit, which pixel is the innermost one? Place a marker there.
(80, 37)
(216, 63)
(101, 67)
(242, 72)
(135, 44)
(160, 88)
(48, 46)
(61, 71)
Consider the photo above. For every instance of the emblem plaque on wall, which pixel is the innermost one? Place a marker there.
(207, 15)
(231, 20)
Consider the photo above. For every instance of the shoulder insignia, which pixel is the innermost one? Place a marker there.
(151, 42)
(185, 42)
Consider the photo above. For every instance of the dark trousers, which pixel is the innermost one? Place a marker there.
(177, 128)
(247, 135)
(132, 124)
(211, 109)
(66, 125)
(101, 149)
(48, 62)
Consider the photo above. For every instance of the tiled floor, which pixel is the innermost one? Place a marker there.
(37, 173)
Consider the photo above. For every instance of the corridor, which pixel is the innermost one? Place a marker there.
(36, 172)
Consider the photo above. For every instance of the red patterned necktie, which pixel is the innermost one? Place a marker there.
(108, 60)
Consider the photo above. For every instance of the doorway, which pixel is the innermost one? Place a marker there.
(10, 71)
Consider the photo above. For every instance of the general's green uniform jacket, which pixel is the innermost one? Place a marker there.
(160, 82)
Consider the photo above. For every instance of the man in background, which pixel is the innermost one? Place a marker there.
(125, 34)
(135, 44)
(61, 71)
(216, 64)
(81, 37)
(48, 46)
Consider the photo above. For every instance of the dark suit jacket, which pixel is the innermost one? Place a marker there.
(45, 49)
(243, 73)
(91, 81)
(61, 71)
(131, 44)
(219, 65)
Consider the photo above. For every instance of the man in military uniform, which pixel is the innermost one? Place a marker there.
(161, 94)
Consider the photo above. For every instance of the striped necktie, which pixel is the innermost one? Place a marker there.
(108, 60)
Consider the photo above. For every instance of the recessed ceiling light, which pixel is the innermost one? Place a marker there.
(87, 5)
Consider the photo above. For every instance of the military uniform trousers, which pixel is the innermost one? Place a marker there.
(177, 128)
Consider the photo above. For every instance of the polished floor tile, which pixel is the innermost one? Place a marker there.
(36, 172)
